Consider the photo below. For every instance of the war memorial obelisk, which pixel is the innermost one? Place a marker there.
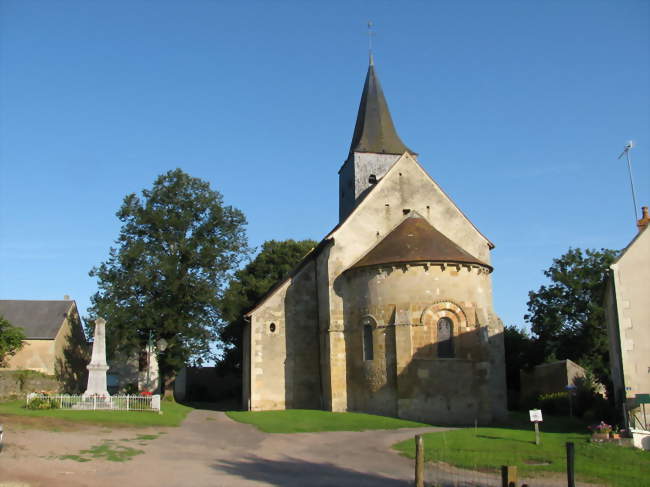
(97, 367)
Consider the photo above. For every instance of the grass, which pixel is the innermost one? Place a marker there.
(309, 420)
(106, 451)
(173, 414)
(111, 450)
(486, 449)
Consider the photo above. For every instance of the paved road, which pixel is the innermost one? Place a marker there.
(209, 449)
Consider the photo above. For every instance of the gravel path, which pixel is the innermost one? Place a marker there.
(208, 449)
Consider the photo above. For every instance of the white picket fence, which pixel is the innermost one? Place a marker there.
(95, 402)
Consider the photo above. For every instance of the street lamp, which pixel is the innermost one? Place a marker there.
(571, 390)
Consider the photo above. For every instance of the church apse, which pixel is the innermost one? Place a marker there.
(418, 341)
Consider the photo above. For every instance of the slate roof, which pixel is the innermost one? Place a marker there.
(415, 240)
(40, 319)
(374, 130)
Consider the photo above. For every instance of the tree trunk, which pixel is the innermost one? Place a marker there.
(168, 386)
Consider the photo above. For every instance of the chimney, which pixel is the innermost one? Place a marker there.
(645, 219)
(67, 298)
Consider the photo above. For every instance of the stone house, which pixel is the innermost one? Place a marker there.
(55, 342)
(628, 318)
(549, 378)
(392, 312)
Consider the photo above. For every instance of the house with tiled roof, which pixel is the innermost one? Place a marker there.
(55, 343)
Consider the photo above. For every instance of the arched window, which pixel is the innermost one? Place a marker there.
(445, 338)
(367, 342)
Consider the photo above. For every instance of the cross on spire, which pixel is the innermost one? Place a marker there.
(370, 34)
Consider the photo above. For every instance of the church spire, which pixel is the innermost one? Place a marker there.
(374, 131)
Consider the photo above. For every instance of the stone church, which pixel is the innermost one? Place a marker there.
(392, 312)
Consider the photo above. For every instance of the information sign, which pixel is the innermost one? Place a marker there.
(535, 415)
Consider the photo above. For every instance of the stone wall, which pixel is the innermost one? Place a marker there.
(283, 347)
(407, 375)
(18, 383)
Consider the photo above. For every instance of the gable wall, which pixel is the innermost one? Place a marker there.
(632, 276)
(284, 364)
(35, 355)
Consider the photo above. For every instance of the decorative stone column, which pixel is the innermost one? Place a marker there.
(97, 367)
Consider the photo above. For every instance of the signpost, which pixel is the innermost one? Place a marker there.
(536, 418)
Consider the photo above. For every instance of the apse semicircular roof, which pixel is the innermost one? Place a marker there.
(415, 240)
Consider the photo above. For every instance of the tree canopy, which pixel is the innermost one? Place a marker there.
(11, 340)
(567, 315)
(274, 262)
(177, 249)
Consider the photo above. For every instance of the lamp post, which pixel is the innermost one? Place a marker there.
(571, 389)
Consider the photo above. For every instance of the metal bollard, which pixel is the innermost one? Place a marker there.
(570, 465)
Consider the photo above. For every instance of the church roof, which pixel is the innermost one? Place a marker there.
(415, 240)
(39, 319)
(374, 130)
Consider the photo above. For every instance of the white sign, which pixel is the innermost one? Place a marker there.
(535, 415)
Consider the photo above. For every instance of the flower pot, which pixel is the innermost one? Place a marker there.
(600, 437)
(615, 436)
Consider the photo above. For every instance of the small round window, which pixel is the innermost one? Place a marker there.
(272, 327)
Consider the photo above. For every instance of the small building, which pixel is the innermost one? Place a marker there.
(55, 343)
(628, 318)
(550, 378)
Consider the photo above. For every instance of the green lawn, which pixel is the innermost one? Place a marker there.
(173, 414)
(309, 420)
(489, 448)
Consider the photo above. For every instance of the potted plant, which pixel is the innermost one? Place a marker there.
(600, 432)
(615, 434)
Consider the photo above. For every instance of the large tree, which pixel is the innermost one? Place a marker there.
(275, 261)
(11, 340)
(177, 248)
(567, 315)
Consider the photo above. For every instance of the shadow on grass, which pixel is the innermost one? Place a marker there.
(551, 424)
(488, 437)
(293, 472)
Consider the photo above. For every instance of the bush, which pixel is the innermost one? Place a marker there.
(44, 402)
(131, 389)
(554, 403)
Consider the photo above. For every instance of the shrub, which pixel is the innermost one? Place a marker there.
(42, 402)
(554, 403)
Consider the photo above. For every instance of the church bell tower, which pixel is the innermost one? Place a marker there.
(375, 146)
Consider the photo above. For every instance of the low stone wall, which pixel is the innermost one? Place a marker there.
(18, 383)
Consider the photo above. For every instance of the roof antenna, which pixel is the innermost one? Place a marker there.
(370, 34)
(626, 152)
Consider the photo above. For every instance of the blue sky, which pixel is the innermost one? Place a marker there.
(518, 109)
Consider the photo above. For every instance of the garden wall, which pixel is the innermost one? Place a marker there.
(21, 382)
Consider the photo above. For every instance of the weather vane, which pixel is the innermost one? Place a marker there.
(370, 34)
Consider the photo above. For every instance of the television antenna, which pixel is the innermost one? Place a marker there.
(626, 153)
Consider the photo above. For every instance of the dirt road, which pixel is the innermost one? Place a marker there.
(208, 449)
